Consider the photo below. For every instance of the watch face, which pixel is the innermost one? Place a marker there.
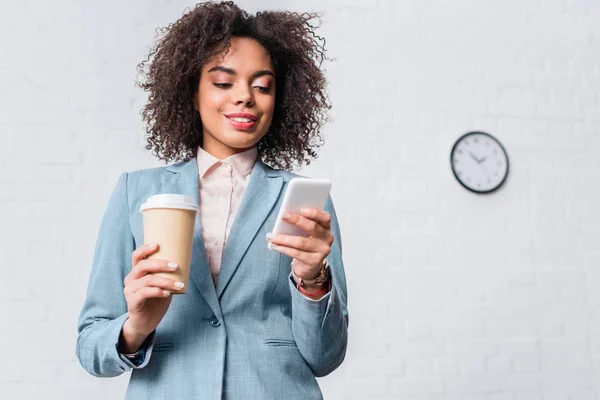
(479, 162)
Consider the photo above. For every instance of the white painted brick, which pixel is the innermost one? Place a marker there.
(471, 397)
(473, 365)
(475, 329)
(557, 396)
(528, 396)
(498, 365)
(526, 364)
(474, 384)
(446, 367)
(418, 368)
(519, 383)
(512, 328)
(366, 387)
(566, 380)
(501, 396)
(417, 348)
(416, 386)
(389, 365)
(520, 347)
(18, 311)
(10, 373)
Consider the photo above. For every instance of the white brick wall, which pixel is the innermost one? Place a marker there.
(452, 295)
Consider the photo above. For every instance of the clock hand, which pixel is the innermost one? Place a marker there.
(474, 158)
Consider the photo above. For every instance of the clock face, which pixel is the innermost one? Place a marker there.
(479, 162)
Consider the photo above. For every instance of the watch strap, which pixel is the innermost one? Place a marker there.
(320, 280)
(132, 355)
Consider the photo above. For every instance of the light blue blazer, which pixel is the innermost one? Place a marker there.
(254, 336)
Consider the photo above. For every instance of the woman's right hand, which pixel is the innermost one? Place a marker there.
(148, 297)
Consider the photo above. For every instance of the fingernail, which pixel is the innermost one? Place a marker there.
(152, 245)
(166, 292)
(286, 216)
(269, 235)
(270, 246)
(305, 211)
(172, 265)
(179, 284)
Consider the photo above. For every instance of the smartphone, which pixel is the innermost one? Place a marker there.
(301, 193)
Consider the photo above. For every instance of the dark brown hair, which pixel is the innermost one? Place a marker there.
(174, 128)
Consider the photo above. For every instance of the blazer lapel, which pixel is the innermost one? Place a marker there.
(183, 178)
(262, 192)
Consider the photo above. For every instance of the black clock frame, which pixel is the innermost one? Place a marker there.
(501, 147)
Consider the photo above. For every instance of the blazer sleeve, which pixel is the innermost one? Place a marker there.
(105, 310)
(320, 327)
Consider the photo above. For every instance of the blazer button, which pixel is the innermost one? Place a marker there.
(214, 321)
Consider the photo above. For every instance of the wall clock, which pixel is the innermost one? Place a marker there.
(479, 162)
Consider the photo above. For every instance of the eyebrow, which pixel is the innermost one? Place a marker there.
(233, 72)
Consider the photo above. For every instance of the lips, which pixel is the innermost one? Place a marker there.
(242, 121)
(242, 117)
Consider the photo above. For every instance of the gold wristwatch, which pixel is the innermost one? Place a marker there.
(321, 279)
(132, 355)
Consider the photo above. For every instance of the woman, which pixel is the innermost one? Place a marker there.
(228, 92)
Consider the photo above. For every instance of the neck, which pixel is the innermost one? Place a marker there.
(220, 150)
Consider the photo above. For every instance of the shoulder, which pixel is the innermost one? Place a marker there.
(144, 176)
(158, 172)
(141, 183)
(147, 172)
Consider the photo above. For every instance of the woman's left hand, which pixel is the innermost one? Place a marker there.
(309, 252)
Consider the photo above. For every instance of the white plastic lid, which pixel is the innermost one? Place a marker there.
(169, 200)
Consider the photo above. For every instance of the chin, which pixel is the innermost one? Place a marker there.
(241, 139)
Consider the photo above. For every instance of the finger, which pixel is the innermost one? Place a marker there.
(139, 297)
(298, 242)
(320, 216)
(309, 226)
(154, 281)
(142, 252)
(305, 257)
(146, 267)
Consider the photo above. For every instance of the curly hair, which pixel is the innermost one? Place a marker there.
(173, 126)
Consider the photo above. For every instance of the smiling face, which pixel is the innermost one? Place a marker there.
(236, 98)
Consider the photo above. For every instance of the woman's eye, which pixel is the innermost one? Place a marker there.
(222, 85)
(263, 89)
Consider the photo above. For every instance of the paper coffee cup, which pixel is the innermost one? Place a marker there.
(169, 221)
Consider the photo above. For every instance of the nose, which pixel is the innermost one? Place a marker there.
(243, 96)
